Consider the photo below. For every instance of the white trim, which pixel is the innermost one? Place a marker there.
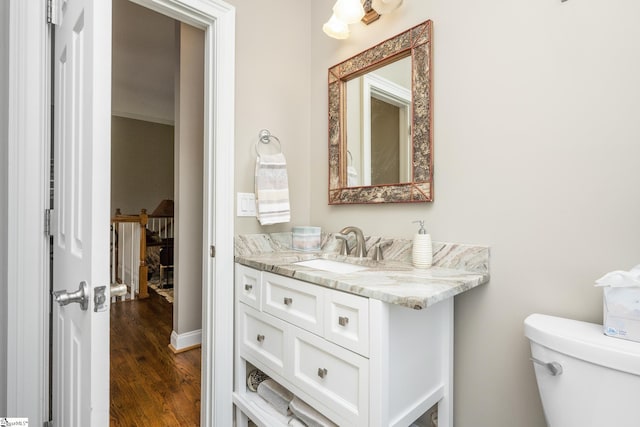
(27, 196)
(4, 117)
(445, 406)
(188, 339)
(378, 362)
(375, 86)
(386, 90)
(217, 19)
(219, 318)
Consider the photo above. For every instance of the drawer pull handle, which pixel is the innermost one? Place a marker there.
(248, 287)
(260, 338)
(343, 320)
(288, 301)
(322, 372)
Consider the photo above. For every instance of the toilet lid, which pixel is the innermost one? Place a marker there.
(585, 341)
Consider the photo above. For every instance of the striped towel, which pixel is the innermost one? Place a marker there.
(272, 189)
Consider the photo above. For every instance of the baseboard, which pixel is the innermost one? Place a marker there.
(175, 351)
(186, 341)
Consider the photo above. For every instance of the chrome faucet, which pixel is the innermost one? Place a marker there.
(360, 250)
(344, 248)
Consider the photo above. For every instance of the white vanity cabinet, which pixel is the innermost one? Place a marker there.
(357, 360)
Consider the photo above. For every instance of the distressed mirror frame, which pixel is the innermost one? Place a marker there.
(415, 42)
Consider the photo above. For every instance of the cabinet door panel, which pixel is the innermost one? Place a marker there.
(334, 376)
(347, 321)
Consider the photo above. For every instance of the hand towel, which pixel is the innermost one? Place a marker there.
(278, 396)
(272, 189)
(294, 422)
(308, 415)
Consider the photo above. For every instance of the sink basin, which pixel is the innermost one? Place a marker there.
(332, 266)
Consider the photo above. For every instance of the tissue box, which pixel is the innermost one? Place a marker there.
(622, 312)
(306, 238)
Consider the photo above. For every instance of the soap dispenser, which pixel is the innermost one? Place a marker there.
(422, 251)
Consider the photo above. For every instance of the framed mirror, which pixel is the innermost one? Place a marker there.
(380, 122)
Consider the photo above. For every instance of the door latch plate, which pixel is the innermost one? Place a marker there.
(100, 299)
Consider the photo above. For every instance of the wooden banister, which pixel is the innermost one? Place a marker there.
(144, 269)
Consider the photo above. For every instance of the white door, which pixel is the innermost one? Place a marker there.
(82, 104)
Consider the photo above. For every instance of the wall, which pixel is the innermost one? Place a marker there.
(272, 92)
(142, 63)
(189, 137)
(4, 113)
(536, 148)
(141, 164)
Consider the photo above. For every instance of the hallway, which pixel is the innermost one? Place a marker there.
(150, 385)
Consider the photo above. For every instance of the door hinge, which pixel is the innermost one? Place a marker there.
(49, 219)
(212, 251)
(52, 12)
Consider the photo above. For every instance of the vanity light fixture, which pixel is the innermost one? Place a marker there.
(336, 28)
(347, 12)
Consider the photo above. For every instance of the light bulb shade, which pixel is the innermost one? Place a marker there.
(385, 6)
(336, 28)
(348, 11)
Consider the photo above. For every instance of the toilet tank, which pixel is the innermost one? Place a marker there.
(600, 380)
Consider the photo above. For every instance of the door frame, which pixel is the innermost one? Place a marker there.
(26, 305)
(217, 19)
(27, 302)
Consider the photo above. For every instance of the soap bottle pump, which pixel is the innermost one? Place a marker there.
(422, 251)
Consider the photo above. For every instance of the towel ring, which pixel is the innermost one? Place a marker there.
(265, 137)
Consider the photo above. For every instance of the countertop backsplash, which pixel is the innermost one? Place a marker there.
(457, 256)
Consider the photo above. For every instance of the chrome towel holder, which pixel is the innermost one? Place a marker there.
(265, 137)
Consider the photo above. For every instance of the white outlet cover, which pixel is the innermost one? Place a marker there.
(246, 204)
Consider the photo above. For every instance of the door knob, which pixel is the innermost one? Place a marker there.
(118, 289)
(80, 296)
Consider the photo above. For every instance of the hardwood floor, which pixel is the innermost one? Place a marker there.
(150, 385)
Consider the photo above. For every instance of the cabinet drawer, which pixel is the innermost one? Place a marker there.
(248, 285)
(262, 339)
(296, 302)
(336, 377)
(347, 321)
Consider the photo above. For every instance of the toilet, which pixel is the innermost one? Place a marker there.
(585, 378)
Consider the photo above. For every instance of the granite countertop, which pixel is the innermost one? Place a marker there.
(456, 268)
